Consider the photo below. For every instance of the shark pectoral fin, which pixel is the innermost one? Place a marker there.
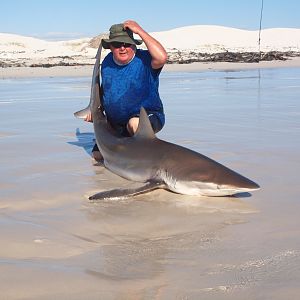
(82, 114)
(126, 193)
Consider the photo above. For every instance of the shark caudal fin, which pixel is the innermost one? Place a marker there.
(145, 129)
(95, 89)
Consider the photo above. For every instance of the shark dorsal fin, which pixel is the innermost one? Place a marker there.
(145, 129)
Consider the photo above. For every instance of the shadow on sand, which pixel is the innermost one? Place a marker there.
(85, 140)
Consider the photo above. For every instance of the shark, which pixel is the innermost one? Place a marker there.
(156, 163)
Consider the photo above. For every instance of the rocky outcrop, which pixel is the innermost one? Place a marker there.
(175, 57)
(181, 57)
(48, 62)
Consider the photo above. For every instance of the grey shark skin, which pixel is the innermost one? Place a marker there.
(160, 164)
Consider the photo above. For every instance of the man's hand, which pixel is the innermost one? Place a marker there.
(132, 125)
(157, 51)
(89, 118)
(133, 26)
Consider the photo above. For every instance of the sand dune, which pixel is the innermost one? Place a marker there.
(211, 38)
(200, 38)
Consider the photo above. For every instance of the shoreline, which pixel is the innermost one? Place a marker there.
(83, 71)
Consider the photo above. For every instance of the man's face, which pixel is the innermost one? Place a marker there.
(122, 52)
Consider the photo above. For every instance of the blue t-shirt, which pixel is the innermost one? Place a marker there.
(127, 88)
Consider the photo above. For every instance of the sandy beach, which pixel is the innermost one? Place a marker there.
(78, 71)
(56, 244)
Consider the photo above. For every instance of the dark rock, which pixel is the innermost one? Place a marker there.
(180, 57)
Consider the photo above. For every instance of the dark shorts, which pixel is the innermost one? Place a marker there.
(122, 130)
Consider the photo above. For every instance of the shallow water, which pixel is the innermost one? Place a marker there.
(57, 244)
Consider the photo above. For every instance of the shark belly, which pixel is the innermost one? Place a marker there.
(204, 189)
(199, 188)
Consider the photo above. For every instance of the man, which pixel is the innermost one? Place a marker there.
(130, 79)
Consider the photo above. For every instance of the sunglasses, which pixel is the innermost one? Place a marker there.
(120, 44)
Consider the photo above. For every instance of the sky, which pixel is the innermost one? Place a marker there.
(66, 19)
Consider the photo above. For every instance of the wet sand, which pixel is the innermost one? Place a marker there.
(55, 244)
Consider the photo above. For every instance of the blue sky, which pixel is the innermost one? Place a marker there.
(63, 19)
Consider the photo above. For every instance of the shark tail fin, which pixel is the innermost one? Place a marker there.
(145, 129)
(81, 114)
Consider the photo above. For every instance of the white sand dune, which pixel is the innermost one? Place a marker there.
(204, 38)
(199, 38)
(17, 46)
